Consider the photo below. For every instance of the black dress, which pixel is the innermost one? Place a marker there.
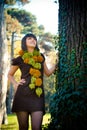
(26, 99)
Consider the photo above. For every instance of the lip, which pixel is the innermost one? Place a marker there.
(32, 44)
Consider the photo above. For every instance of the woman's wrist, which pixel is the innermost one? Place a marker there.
(15, 84)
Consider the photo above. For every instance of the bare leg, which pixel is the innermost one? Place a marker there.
(23, 120)
(36, 120)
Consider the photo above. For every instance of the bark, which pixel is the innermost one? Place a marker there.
(3, 66)
(72, 28)
(69, 107)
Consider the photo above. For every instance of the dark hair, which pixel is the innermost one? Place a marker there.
(23, 41)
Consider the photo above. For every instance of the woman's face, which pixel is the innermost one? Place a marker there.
(30, 42)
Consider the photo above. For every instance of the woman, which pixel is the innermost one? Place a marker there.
(29, 92)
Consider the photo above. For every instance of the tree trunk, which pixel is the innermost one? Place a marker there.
(73, 60)
(68, 107)
(3, 66)
(73, 42)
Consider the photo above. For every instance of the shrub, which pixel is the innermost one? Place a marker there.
(68, 109)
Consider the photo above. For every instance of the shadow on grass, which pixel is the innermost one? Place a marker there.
(10, 126)
(12, 123)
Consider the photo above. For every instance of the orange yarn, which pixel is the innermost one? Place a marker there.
(31, 71)
(21, 52)
(38, 82)
(35, 58)
(36, 73)
(26, 60)
(40, 58)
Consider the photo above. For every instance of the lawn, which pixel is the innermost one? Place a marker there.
(13, 125)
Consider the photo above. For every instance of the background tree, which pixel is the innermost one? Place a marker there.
(3, 60)
(41, 30)
(47, 42)
(69, 104)
(13, 29)
(27, 19)
(3, 64)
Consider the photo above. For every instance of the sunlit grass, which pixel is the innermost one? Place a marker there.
(13, 125)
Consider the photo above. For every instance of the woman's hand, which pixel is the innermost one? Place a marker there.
(21, 82)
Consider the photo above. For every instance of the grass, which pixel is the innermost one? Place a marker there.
(13, 125)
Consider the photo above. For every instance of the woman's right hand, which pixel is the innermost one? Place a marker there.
(21, 82)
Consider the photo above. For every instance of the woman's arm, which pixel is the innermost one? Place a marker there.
(47, 71)
(11, 73)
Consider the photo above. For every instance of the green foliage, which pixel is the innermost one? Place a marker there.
(49, 87)
(25, 18)
(46, 47)
(29, 24)
(12, 25)
(12, 2)
(56, 39)
(47, 41)
(85, 55)
(41, 28)
(69, 107)
(28, 21)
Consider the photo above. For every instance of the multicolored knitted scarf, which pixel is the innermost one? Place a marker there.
(34, 59)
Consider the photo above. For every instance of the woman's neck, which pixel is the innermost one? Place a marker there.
(30, 49)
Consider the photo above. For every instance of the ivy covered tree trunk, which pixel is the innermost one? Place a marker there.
(72, 79)
(69, 104)
(3, 66)
(73, 43)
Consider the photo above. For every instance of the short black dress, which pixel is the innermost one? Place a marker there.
(26, 99)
